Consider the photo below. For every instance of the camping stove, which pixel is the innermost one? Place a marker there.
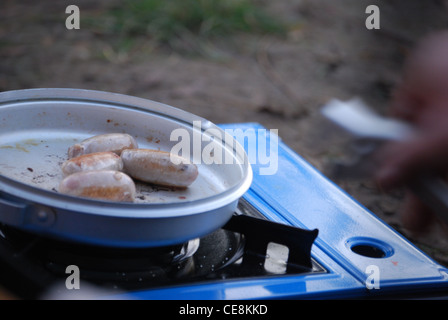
(294, 235)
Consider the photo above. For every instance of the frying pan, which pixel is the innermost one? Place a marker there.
(37, 126)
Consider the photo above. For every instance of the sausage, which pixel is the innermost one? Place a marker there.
(93, 161)
(103, 184)
(112, 142)
(156, 167)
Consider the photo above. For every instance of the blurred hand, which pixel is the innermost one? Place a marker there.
(422, 100)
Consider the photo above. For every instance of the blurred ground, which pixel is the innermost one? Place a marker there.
(280, 82)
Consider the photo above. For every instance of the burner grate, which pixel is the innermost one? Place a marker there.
(246, 246)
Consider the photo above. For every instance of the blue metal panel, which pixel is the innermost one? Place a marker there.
(299, 195)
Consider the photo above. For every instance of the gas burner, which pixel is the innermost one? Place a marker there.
(245, 247)
(129, 268)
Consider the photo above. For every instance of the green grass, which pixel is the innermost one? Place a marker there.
(166, 20)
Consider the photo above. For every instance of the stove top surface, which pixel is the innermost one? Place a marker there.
(360, 256)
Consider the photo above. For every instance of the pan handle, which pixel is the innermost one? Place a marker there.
(20, 214)
(12, 213)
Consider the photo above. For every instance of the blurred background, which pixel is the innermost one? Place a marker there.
(271, 62)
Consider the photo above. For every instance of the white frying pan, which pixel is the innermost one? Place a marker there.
(38, 125)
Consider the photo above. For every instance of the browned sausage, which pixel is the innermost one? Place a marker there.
(93, 161)
(104, 184)
(156, 167)
(112, 142)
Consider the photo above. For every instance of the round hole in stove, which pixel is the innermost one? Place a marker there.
(368, 251)
(369, 247)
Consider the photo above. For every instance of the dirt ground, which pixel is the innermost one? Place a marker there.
(280, 82)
